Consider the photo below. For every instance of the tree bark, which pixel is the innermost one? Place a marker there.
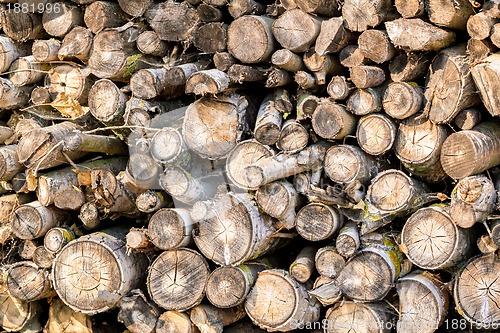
(268, 122)
(9, 162)
(211, 81)
(485, 78)
(242, 73)
(317, 221)
(12, 97)
(478, 50)
(296, 30)
(376, 134)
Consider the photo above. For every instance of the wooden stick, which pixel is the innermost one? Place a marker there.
(302, 267)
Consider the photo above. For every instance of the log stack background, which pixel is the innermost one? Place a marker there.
(249, 166)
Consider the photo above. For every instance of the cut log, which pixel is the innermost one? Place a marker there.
(234, 215)
(32, 220)
(321, 65)
(255, 31)
(94, 144)
(477, 308)
(376, 268)
(28, 283)
(177, 279)
(8, 204)
(170, 228)
(431, 38)
(135, 8)
(345, 164)
(324, 7)
(306, 81)
(293, 137)
(172, 21)
(167, 146)
(424, 302)
(229, 286)
(45, 50)
(480, 26)
(211, 81)
(329, 262)
(478, 50)
(333, 36)
(109, 274)
(359, 15)
(9, 162)
(212, 127)
(278, 302)
(178, 75)
(71, 80)
(148, 42)
(331, 121)
(495, 35)
(100, 15)
(151, 83)
(326, 291)
(410, 8)
(89, 215)
(210, 319)
(296, 30)
(209, 13)
(450, 88)
(347, 241)
(339, 88)
(268, 123)
(143, 171)
(402, 100)
(307, 103)
(12, 97)
(279, 199)
(43, 258)
(57, 238)
(317, 221)
(467, 119)
(351, 56)
(211, 37)
(367, 76)
(77, 44)
(471, 152)
(376, 134)
(223, 61)
(472, 200)
(434, 241)
(107, 102)
(18, 316)
(239, 8)
(418, 146)
(277, 77)
(451, 14)
(408, 67)
(376, 46)
(302, 268)
(485, 75)
(27, 248)
(137, 313)
(138, 240)
(369, 317)
(22, 26)
(10, 51)
(288, 60)
(182, 186)
(174, 321)
(242, 73)
(62, 317)
(26, 70)
(59, 23)
(365, 101)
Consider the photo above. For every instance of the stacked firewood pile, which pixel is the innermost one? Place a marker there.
(249, 166)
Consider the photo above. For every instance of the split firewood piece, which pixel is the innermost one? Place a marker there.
(32, 220)
(306, 81)
(6, 133)
(329, 262)
(103, 14)
(288, 60)
(9, 162)
(451, 14)
(351, 56)
(45, 50)
(151, 201)
(27, 282)
(250, 38)
(137, 313)
(450, 88)
(62, 317)
(210, 235)
(302, 268)
(152, 82)
(408, 67)
(410, 8)
(277, 77)
(478, 50)
(434, 241)
(210, 319)
(10, 51)
(279, 199)
(270, 309)
(268, 123)
(213, 126)
(43, 258)
(171, 228)
(424, 302)
(114, 53)
(418, 146)
(59, 23)
(376, 46)
(431, 38)
(402, 100)
(26, 70)
(480, 26)
(468, 118)
(229, 286)
(270, 169)
(77, 44)
(245, 154)
(294, 36)
(211, 37)
(495, 34)
(174, 321)
(471, 152)
(477, 308)
(333, 36)
(472, 200)
(17, 315)
(210, 81)
(324, 7)
(317, 221)
(331, 120)
(71, 80)
(322, 65)
(138, 240)
(339, 88)
(365, 101)
(484, 74)
(12, 97)
(293, 137)
(110, 193)
(27, 248)
(359, 15)
(177, 279)
(326, 291)
(367, 76)
(209, 13)
(135, 8)
(242, 73)
(148, 42)
(365, 317)
(376, 134)
(238, 8)
(172, 21)
(345, 164)
(114, 272)
(376, 266)
(21, 25)
(348, 241)
(90, 216)
(57, 238)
